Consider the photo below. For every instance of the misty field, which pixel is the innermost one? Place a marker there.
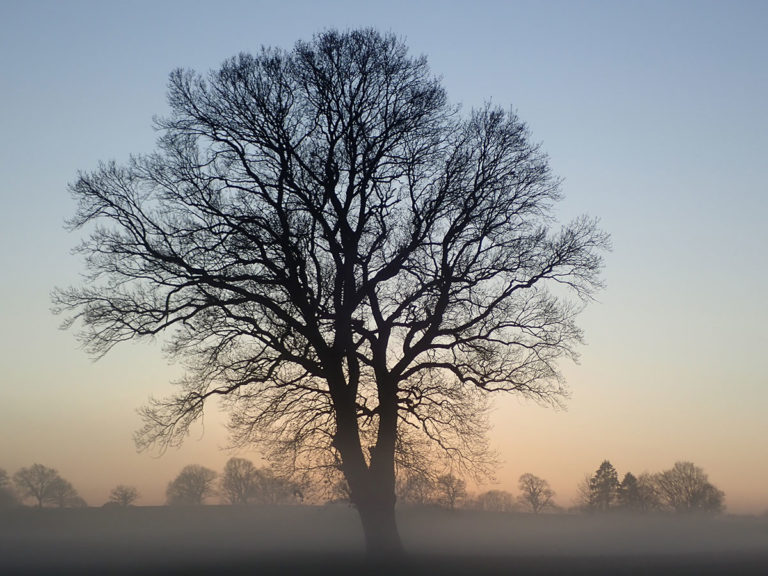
(328, 539)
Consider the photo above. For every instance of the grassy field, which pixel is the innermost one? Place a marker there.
(328, 540)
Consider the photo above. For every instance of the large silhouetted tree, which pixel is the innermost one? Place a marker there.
(340, 255)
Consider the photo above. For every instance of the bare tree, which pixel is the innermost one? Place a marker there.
(648, 493)
(581, 501)
(239, 481)
(535, 493)
(495, 501)
(340, 255)
(686, 488)
(274, 489)
(416, 488)
(62, 494)
(191, 487)
(450, 490)
(36, 482)
(124, 496)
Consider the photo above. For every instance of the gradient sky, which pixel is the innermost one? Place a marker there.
(654, 113)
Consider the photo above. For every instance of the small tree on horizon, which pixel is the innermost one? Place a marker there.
(62, 494)
(239, 481)
(494, 501)
(36, 482)
(124, 496)
(648, 493)
(416, 488)
(628, 494)
(450, 490)
(535, 493)
(603, 488)
(191, 487)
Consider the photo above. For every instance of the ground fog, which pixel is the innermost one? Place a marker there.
(328, 539)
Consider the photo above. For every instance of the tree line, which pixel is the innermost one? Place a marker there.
(684, 488)
(450, 491)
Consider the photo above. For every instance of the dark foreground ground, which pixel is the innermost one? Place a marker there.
(327, 540)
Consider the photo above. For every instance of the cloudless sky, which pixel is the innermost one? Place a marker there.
(654, 113)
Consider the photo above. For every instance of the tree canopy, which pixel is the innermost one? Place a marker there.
(346, 259)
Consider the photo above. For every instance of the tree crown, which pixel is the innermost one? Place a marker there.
(336, 251)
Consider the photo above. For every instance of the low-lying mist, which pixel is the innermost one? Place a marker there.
(328, 539)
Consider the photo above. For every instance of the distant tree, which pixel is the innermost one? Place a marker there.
(647, 493)
(124, 496)
(638, 494)
(275, 489)
(36, 482)
(581, 502)
(7, 494)
(341, 253)
(686, 488)
(535, 493)
(417, 488)
(62, 494)
(603, 488)
(494, 501)
(191, 487)
(77, 502)
(628, 493)
(239, 481)
(450, 490)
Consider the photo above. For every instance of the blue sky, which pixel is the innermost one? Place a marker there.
(652, 112)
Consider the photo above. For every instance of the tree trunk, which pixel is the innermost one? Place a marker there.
(382, 540)
(372, 490)
(372, 484)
